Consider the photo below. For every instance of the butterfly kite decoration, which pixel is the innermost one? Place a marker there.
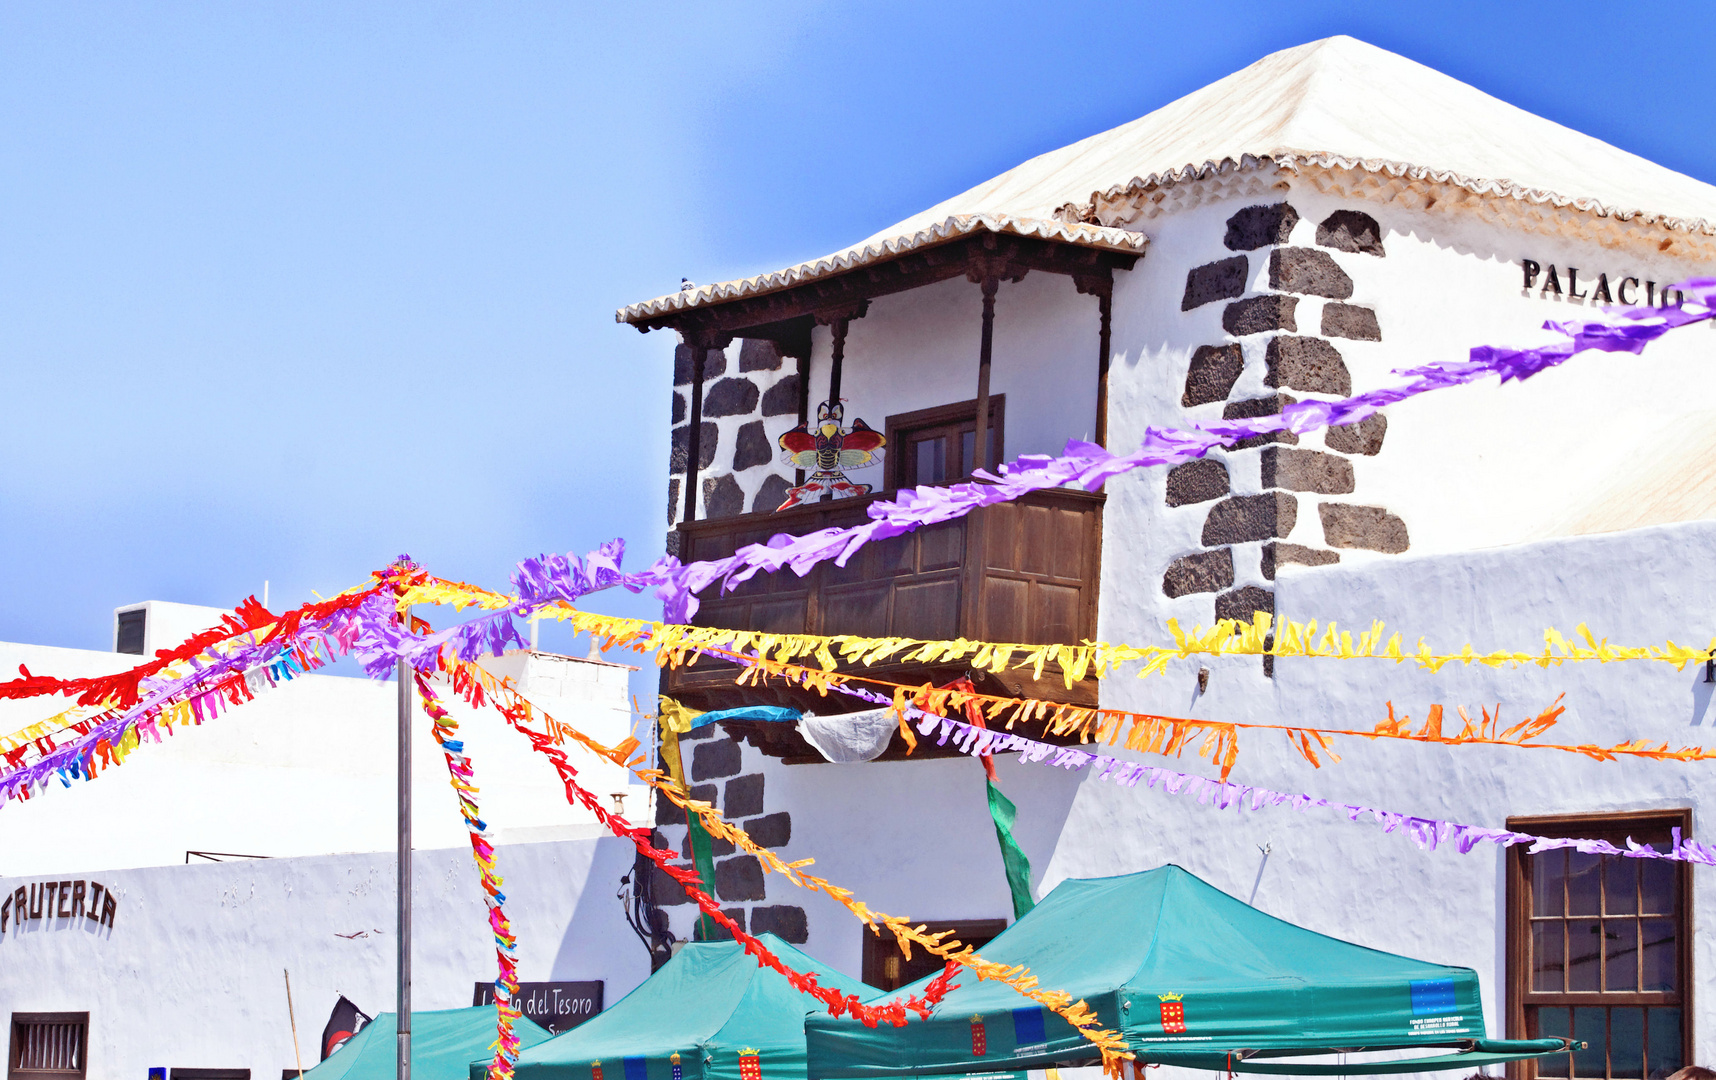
(825, 452)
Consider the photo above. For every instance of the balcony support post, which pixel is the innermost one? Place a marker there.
(700, 341)
(986, 348)
(694, 437)
(1102, 285)
(803, 405)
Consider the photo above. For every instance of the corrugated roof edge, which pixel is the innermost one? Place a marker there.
(1072, 232)
(1298, 160)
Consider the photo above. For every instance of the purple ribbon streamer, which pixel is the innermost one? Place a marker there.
(1083, 464)
(1427, 833)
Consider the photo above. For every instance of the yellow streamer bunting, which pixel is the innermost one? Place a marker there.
(1263, 636)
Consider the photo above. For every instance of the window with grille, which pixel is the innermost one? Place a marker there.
(48, 1046)
(939, 446)
(886, 967)
(1599, 948)
(128, 631)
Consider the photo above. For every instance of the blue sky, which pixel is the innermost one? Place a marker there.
(286, 289)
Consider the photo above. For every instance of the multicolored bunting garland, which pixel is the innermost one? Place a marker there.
(469, 683)
(519, 713)
(1170, 735)
(540, 581)
(1264, 636)
(461, 775)
(1427, 833)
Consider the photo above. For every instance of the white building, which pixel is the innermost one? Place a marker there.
(1301, 228)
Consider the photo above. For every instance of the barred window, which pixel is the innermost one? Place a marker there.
(1599, 949)
(48, 1046)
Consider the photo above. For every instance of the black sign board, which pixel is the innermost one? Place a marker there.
(557, 1006)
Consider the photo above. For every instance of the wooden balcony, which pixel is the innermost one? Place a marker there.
(1025, 571)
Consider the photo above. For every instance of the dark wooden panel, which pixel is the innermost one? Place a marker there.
(999, 529)
(1022, 572)
(927, 608)
(783, 615)
(1039, 539)
(1055, 614)
(1006, 610)
(856, 609)
(1069, 558)
(941, 547)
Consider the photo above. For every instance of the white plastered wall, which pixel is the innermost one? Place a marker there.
(309, 767)
(919, 349)
(190, 973)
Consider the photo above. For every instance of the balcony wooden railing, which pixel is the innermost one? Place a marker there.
(1025, 571)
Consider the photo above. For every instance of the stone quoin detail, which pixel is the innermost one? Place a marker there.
(1263, 406)
(1277, 554)
(1351, 230)
(750, 397)
(1368, 527)
(1197, 481)
(722, 497)
(1308, 271)
(713, 760)
(757, 355)
(1260, 226)
(1306, 470)
(1222, 280)
(710, 754)
(1364, 437)
(1242, 518)
(1213, 371)
(784, 921)
(739, 878)
(1204, 572)
(730, 397)
(1307, 364)
(1291, 360)
(1260, 315)
(753, 447)
(1350, 321)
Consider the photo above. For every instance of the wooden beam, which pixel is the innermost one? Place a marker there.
(912, 270)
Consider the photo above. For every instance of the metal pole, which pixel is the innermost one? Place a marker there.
(402, 1065)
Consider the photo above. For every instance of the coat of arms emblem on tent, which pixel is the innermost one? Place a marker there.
(1173, 1013)
(979, 1037)
(595, 1070)
(749, 1067)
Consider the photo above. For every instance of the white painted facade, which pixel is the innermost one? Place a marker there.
(1582, 495)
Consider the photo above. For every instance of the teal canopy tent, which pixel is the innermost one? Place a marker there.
(710, 1013)
(1189, 976)
(443, 1042)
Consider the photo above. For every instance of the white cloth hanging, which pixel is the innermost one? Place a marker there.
(850, 737)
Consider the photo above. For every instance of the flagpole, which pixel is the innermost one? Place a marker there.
(402, 1064)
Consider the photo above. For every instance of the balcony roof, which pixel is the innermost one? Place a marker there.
(879, 250)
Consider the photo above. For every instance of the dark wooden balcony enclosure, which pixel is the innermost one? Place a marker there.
(1023, 572)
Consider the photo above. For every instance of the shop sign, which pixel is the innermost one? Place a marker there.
(557, 1006)
(54, 900)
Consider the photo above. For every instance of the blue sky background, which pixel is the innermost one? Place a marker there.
(286, 289)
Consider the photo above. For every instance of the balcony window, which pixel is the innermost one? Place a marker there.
(939, 445)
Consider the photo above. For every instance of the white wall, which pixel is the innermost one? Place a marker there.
(190, 973)
(919, 349)
(309, 767)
